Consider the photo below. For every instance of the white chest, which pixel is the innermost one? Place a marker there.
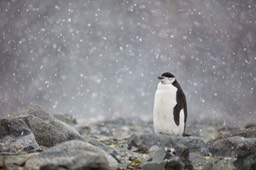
(166, 94)
(164, 103)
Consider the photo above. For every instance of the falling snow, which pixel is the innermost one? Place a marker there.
(90, 58)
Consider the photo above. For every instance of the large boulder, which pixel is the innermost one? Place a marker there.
(48, 130)
(146, 140)
(15, 136)
(233, 146)
(73, 154)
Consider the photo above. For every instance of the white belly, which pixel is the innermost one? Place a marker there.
(164, 103)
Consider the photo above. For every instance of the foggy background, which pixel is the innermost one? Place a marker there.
(93, 58)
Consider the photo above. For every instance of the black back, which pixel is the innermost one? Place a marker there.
(181, 103)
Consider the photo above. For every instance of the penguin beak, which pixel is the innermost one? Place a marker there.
(160, 77)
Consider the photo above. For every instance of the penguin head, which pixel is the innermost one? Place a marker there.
(167, 78)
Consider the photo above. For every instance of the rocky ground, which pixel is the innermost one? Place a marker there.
(38, 140)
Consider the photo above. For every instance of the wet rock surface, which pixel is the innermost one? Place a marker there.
(73, 154)
(233, 146)
(120, 144)
(219, 163)
(144, 141)
(48, 130)
(15, 136)
(246, 162)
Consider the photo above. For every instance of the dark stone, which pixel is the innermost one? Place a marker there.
(15, 136)
(246, 162)
(1, 161)
(184, 158)
(233, 146)
(250, 125)
(94, 166)
(53, 167)
(48, 130)
(84, 130)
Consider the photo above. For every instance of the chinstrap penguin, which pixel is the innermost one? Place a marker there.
(170, 106)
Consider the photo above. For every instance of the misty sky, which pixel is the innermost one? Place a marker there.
(93, 58)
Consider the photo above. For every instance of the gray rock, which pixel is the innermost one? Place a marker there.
(144, 141)
(197, 160)
(15, 136)
(18, 159)
(153, 165)
(233, 146)
(106, 148)
(230, 132)
(194, 144)
(48, 130)
(218, 164)
(14, 162)
(13, 167)
(246, 162)
(173, 163)
(1, 161)
(160, 153)
(247, 133)
(73, 154)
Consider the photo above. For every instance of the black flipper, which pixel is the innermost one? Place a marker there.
(176, 114)
(181, 104)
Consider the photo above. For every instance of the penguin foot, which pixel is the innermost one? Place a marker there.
(186, 135)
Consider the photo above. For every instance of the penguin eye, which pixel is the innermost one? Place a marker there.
(172, 78)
